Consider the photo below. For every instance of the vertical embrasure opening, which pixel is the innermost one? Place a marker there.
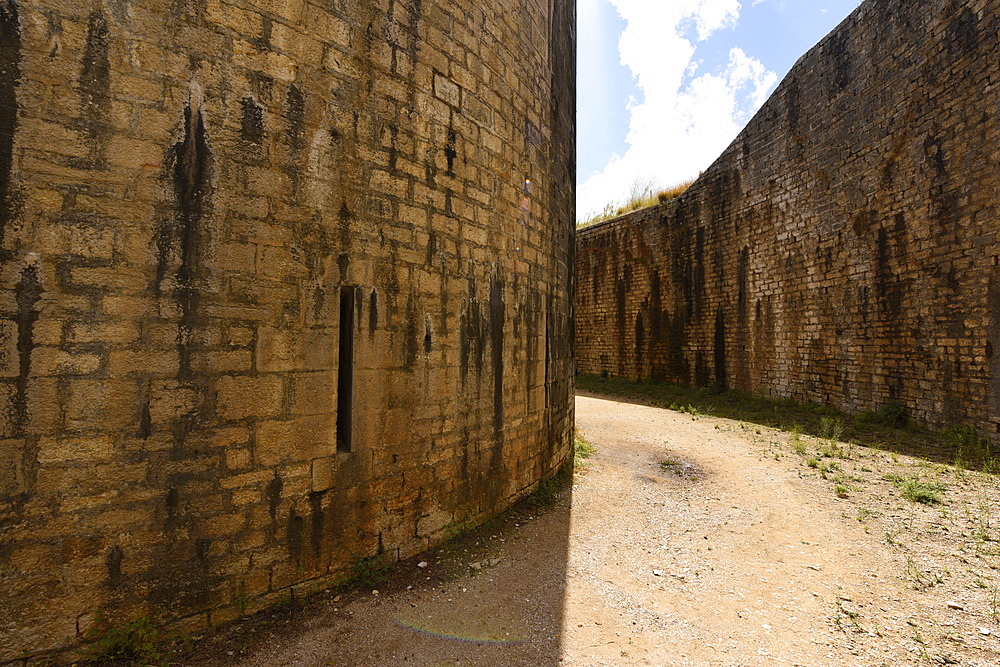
(345, 372)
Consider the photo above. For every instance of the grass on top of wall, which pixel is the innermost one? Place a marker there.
(639, 199)
(889, 428)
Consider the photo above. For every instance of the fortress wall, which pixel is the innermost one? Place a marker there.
(219, 220)
(844, 249)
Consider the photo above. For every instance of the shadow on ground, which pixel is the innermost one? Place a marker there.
(494, 596)
(889, 428)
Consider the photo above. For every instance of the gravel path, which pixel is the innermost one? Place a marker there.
(684, 541)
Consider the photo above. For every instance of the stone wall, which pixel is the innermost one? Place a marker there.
(844, 249)
(283, 284)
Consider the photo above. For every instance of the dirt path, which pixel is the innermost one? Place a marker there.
(689, 541)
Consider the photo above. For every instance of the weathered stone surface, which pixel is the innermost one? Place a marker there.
(186, 192)
(844, 249)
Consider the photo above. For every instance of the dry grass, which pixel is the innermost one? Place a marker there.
(642, 196)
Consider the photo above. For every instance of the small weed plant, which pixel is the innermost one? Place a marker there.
(864, 514)
(370, 571)
(831, 428)
(971, 447)
(892, 539)
(670, 465)
(894, 414)
(547, 493)
(920, 579)
(798, 446)
(919, 491)
(583, 449)
(134, 640)
(242, 597)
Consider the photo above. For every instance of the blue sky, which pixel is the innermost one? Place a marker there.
(665, 85)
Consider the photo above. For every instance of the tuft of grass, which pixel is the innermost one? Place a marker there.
(891, 538)
(582, 448)
(370, 571)
(841, 490)
(672, 193)
(134, 640)
(669, 465)
(831, 428)
(798, 446)
(894, 414)
(547, 493)
(970, 447)
(924, 493)
(242, 597)
(920, 579)
(812, 462)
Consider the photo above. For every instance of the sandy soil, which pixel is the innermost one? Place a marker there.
(685, 540)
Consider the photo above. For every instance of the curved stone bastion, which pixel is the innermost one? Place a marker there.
(284, 284)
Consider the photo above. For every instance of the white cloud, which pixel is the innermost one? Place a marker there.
(684, 121)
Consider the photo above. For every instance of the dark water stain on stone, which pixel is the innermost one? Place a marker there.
(273, 493)
(840, 61)
(472, 334)
(113, 561)
(393, 151)
(431, 248)
(620, 304)
(934, 150)
(316, 523)
(428, 338)
(296, 530)
(864, 293)
(698, 274)
(95, 89)
(702, 376)
(655, 307)
(410, 335)
(414, 9)
(252, 122)
(640, 339)
(720, 349)
(372, 314)
(319, 300)
(899, 233)
(992, 343)
(963, 33)
(450, 152)
(343, 265)
(295, 114)
(54, 33)
(145, 419)
(172, 504)
(202, 550)
(10, 74)
(741, 279)
(497, 321)
(191, 180)
(945, 208)
(27, 294)
(793, 104)
(344, 217)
